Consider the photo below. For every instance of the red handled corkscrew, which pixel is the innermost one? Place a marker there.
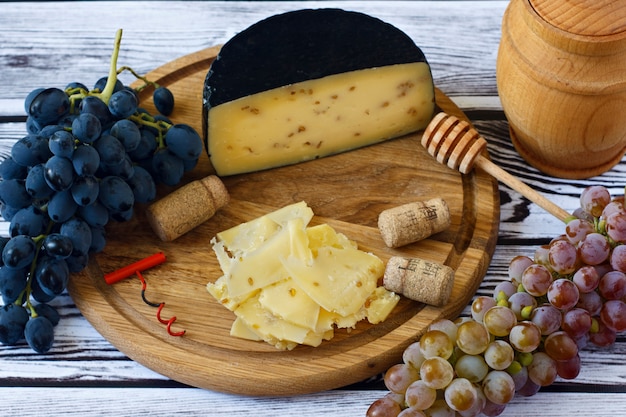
(136, 269)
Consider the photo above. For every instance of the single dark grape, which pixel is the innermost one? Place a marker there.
(167, 167)
(32, 127)
(96, 215)
(97, 107)
(62, 143)
(128, 133)
(57, 245)
(59, 173)
(86, 160)
(38, 294)
(29, 221)
(85, 190)
(183, 141)
(98, 239)
(7, 212)
(9, 169)
(79, 233)
(36, 184)
(53, 275)
(49, 106)
(143, 185)
(125, 169)
(39, 334)
(49, 312)
(30, 150)
(12, 283)
(147, 146)
(110, 149)
(115, 194)
(163, 100)
(86, 127)
(13, 193)
(30, 97)
(62, 206)
(134, 92)
(13, 319)
(122, 104)
(19, 252)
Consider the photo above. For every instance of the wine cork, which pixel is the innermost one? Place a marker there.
(189, 206)
(420, 280)
(412, 222)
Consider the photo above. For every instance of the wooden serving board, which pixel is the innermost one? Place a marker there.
(348, 191)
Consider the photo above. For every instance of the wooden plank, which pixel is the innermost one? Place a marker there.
(195, 402)
(82, 53)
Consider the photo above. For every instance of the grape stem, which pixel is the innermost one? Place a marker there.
(107, 92)
(146, 81)
(160, 125)
(25, 295)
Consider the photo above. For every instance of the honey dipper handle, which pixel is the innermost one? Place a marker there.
(517, 185)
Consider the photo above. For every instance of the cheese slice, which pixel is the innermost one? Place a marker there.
(296, 284)
(287, 300)
(311, 83)
(340, 280)
(323, 235)
(380, 304)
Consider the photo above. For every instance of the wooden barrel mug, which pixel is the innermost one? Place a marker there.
(561, 76)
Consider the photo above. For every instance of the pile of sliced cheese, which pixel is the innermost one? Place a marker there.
(289, 283)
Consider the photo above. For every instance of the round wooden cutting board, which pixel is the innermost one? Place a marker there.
(348, 191)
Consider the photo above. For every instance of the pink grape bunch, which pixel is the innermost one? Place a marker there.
(572, 292)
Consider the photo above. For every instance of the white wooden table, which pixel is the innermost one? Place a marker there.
(52, 43)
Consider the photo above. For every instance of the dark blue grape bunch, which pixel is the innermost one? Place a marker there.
(88, 157)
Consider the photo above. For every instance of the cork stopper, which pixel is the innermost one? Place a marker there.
(188, 207)
(413, 222)
(420, 280)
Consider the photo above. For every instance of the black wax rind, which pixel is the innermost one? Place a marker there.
(302, 45)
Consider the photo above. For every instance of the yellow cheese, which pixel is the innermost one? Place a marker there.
(268, 326)
(248, 236)
(297, 283)
(240, 329)
(286, 300)
(379, 304)
(324, 235)
(259, 268)
(340, 280)
(319, 117)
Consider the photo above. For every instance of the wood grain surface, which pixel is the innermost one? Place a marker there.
(347, 191)
(84, 375)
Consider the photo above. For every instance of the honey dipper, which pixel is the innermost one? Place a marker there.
(455, 143)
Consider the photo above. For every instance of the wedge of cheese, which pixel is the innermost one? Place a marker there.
(311, 83)
(290, 284)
